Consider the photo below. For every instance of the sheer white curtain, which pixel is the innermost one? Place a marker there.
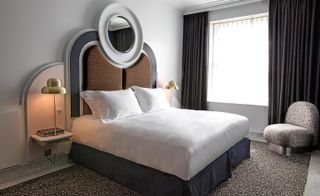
(238, 61)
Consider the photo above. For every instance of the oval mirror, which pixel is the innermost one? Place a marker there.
(121, 50)
(120, 34)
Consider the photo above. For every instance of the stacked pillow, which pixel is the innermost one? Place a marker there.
(151, 99)
(113, 105)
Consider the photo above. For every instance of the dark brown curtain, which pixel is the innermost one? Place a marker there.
(294, 56)
(194, 62)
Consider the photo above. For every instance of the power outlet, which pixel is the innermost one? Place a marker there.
(47, 152)
(59, 110)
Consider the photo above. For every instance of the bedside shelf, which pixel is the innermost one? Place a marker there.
(43, 141)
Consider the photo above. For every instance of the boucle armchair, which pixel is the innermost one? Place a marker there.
(300, 130)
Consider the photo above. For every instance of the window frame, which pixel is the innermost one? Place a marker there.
(211, 45)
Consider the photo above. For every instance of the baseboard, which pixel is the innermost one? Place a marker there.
(31, 170)
(313, 181)
(256, 136)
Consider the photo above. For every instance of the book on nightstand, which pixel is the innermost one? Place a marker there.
(49, 132)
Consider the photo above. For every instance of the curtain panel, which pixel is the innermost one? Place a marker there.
(194, 62)
(294, 55)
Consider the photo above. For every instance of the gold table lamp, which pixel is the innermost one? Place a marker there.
(54, 87)
(172, 85)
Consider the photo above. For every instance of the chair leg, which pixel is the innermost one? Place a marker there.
(277, 148)
(288, 151)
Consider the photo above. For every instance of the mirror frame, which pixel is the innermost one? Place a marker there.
(120, 59)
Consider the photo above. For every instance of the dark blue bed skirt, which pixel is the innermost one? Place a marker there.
(148, 181)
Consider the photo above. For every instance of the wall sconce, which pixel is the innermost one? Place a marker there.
(172, 85)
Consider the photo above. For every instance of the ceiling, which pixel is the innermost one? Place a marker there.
(187, 4)
(190, 6)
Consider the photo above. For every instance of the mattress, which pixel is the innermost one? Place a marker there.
(175, 141)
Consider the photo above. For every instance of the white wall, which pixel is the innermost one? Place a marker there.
(12, 146)
(257, 115)
(35, 32)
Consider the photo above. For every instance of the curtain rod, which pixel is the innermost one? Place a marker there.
(234, 19)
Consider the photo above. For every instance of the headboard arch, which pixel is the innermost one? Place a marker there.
(89, 69)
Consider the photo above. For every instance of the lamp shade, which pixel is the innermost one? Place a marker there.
(53, 87)
(172, 85)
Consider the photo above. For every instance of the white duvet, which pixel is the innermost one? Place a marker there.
(176, 141)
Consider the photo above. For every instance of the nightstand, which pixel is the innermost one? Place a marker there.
(44, 141)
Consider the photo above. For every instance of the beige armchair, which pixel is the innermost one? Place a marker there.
(300, 130)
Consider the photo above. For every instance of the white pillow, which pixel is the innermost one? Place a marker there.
(90, 98)
(151, 99)
(113, 105)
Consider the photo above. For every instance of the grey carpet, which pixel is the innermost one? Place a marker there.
(265, 173)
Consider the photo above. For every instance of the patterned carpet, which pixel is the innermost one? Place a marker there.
(265, 173)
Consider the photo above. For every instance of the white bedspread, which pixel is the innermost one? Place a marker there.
(176, 141)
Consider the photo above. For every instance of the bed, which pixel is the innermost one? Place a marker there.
(166, 152)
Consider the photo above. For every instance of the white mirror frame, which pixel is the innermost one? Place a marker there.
(119, 59)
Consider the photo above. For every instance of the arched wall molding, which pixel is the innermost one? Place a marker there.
(23, 101)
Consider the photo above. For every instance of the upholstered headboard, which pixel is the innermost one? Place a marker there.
(91, 70)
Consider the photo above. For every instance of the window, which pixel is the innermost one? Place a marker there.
(238, 61)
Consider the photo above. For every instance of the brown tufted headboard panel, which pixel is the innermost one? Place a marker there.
(139, 74)
(96, 70)
(99, 74)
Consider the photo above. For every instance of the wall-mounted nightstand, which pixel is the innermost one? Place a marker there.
(44, 141)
